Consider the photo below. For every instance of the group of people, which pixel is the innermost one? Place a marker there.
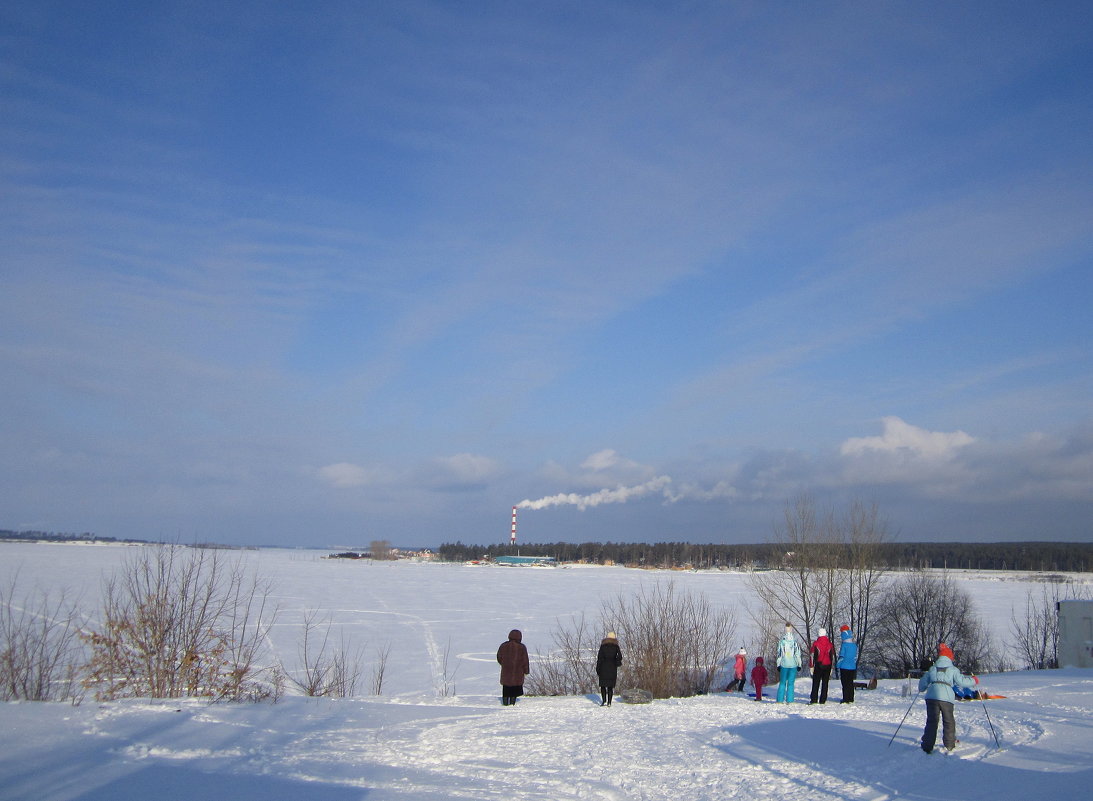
(821, 658)
(941, 681)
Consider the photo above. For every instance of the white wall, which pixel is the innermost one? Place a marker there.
(1075, 633)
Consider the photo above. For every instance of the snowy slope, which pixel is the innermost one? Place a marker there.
(413, 745)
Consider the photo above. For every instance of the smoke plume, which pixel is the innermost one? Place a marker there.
(617, 495)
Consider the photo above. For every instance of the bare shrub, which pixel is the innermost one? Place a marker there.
(379, 668)
(325, 670)
(570, 667)
(181, 622)
(674, 644)
(40, 648)
(446, 684)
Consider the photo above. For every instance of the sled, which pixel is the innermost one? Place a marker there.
(979, 695)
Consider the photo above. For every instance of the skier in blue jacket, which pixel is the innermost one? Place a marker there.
(847, 664)
(938, 682)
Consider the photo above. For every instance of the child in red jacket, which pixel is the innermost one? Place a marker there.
(758, 677)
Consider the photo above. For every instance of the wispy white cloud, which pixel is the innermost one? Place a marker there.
(904, 439)
(346, 475)
(459, 472)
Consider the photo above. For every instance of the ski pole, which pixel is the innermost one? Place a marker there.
(988, 714)
(905, 714)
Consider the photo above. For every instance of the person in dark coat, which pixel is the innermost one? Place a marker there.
(607, 667)
(820, 659)
(512, 656)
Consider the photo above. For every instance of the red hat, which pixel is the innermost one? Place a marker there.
(944, 650)
(844, 628)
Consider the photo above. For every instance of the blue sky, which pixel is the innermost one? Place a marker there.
(322, 273)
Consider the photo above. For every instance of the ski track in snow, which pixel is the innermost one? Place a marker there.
(715, 747)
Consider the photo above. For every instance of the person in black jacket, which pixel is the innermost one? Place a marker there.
(607, 667)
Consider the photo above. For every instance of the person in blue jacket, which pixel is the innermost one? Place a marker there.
(938, 682)
(847, 664)
(789, 662)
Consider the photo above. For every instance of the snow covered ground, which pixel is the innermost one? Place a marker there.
(443, 624)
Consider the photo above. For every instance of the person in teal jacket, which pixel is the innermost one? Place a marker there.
(847, 664)
(789, 662)
(938, 682)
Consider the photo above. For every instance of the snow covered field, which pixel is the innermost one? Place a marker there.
(442, 625)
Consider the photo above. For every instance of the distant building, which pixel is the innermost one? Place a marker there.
(1075, 633)
(526, 561)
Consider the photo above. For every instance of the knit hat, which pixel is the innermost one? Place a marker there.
(611, 635)
(742, 652)
(944, 650)
(844, 627)
(823, 632)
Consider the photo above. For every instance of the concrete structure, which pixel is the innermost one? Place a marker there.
(1075, 633)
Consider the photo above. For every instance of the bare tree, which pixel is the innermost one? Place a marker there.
(382, 551)
(864, 531)
(919, 610)
(832, 571)
(181, 622)
(802, 590)
(39, 646)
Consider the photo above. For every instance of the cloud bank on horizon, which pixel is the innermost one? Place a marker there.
(303, 277)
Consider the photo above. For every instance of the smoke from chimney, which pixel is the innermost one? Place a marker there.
(617, 495)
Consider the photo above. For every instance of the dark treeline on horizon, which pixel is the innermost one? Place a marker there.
(1071, 557)
(52, 536)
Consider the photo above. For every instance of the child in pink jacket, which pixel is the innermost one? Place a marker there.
(758, 677)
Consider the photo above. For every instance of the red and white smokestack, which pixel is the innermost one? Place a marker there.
(512, 537)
